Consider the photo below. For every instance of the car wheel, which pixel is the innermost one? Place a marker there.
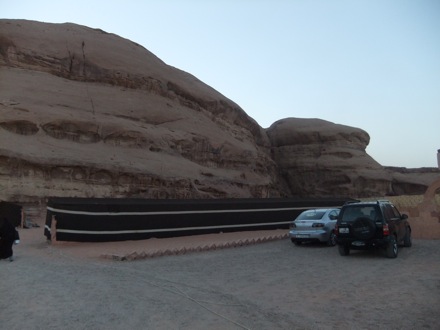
(344, 250)
(332, 239)
(407, 241)
(392, 248)
(296, 242)
(364, 228)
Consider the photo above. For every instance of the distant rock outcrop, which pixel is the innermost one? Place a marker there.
(87, 113)
(320, 158)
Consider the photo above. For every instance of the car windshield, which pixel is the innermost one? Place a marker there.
(354, 212)
(311, 215)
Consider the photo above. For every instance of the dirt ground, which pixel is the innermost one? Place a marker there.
(272, 284)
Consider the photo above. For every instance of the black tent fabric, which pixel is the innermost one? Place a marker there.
(102, 219)
(12, 212)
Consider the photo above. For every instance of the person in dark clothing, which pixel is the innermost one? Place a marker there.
(8, 234)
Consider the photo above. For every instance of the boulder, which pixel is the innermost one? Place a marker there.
(320, 158)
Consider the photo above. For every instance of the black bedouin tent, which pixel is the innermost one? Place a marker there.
(104, 219)
(12, 212)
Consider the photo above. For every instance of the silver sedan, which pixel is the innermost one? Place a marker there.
(315, 225)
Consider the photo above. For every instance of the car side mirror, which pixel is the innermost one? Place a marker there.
(404, 216)
(333, 217)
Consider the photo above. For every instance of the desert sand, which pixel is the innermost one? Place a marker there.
(268, 284)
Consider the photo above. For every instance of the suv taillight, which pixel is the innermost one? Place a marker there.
(386, 230)
(336, 231)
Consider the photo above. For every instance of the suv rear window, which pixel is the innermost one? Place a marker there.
(356, 211)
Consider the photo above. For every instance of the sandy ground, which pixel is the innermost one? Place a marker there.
(269, 284)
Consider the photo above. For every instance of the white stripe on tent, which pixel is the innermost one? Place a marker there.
(108, 232)
(181, 212)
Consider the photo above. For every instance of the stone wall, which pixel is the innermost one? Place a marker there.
(423, 211)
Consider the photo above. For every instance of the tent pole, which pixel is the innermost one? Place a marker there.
(53, 230)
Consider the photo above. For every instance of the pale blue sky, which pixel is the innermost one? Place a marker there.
(372, 64)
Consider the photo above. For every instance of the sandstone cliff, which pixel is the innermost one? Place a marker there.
(87, 113)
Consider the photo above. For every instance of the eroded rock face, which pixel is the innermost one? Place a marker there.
(23, 127)
(320, 158)
(87, 113)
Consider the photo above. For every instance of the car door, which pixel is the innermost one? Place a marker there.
(400, 223)
(394, 220)
(333, 216)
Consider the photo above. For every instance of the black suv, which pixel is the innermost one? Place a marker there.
(363, 225)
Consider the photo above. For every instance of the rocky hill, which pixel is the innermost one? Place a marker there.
(87, 113)
(319, 158)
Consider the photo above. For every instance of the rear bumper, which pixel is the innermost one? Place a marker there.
(363, 244)
(308, 235)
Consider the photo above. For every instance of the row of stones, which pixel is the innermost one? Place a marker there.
(184, 250)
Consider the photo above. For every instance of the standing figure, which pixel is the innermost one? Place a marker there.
(8, 234)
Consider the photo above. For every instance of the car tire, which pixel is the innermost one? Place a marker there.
(392, 248)
(364, 228)
(344, 250)
(407, 241)
(332, 239)
(296, 242)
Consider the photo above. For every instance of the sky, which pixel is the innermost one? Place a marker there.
(370, 64)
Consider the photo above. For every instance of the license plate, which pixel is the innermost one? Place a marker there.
(344, 230)
(302, 236)
(358, 243)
